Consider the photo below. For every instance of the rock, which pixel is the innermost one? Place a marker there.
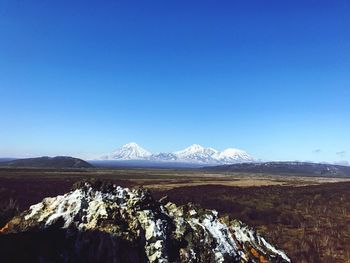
(107, 223)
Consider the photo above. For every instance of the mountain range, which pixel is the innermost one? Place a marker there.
(195, 154)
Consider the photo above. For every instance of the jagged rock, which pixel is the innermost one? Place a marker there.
(107, 223)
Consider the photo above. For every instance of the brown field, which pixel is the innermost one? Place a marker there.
(308, 217)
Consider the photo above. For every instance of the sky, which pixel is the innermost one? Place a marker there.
(82, 78)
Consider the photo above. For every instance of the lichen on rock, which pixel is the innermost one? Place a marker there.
(108, 223)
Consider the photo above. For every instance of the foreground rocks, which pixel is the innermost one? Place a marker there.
(97, 223)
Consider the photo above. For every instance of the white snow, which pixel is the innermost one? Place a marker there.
(244, 234)
(232, 155)
(220, 232)
(274, 250)
(130, 151)
(33, 210)
(195, 154)
(85, 208)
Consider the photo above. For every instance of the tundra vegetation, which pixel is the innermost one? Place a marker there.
(309, 218)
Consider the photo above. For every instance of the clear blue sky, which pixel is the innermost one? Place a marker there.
(82, 78)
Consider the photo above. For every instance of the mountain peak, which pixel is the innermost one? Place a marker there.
(194, 148)
(232, 155)
(129, 151)
(131, 145)
(195, 154)
(232, 152)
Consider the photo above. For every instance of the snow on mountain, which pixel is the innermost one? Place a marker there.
(232, 155)
(196, 149)
(130, 151)
(164, 157)
(195, 154)
(198, 154)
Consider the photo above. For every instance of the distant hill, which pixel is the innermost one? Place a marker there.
(297, 168)
(3, 160)
(49, 162)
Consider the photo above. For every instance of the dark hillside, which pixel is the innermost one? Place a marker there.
(285, 168)
(49, 162)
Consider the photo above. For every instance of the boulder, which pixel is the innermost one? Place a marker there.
(108, 223)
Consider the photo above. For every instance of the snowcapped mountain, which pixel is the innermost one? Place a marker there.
(198, 154)
(195, 154)
(130, 151)
(232, 155)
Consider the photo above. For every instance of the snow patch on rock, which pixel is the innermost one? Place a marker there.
(198, 235)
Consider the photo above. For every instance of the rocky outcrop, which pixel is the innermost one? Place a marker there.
(96, 223)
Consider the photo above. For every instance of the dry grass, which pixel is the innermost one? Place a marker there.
(309, 217)
(312, 223)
